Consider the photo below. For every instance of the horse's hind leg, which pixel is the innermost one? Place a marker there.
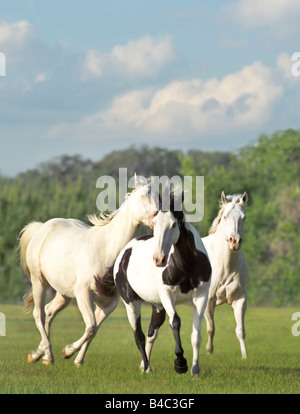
(52, 308)
(157, 319)
(239, 308)
(39, 288)
(134, 317)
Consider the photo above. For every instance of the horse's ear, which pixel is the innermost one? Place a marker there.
(138, 181)
(182, 195)
(223, 198)
(244, 198)
(176, 201)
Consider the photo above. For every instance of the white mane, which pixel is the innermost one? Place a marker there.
(104, 218)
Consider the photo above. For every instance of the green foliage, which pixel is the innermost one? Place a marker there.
(269, 170)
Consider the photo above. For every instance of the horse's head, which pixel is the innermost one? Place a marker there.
(233, 218)
(144, 202)
(166, 232)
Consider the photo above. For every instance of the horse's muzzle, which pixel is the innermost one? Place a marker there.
(160, 260)
(235, 243)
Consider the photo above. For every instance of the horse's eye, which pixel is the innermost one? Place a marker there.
(225, 217)
(174, 225)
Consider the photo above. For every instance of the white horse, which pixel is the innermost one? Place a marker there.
(229, 266)
(71, 257)
(172, 266)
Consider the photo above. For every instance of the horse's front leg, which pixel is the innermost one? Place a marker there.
(168, 302)
(239, 308)
(101, 313)
(210, 324)
(199, 301)
(85, 305)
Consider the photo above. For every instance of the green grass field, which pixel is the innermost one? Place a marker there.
(111, 364)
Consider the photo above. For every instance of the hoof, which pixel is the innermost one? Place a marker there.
(48, 362)
(195, 372)
(148, 370)
(33, 357)
(66, 353)
(77, 363)
(30, 358)
(181, 366)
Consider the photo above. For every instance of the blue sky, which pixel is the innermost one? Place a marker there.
(88, 77)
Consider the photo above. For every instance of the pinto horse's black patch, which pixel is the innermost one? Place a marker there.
(105, 286)
(144, 237)
(123, 286)
(187, 266)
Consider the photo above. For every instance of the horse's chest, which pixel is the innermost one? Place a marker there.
(227, 289)
(187, 272)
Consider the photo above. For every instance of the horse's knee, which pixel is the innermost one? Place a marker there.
(175, 322)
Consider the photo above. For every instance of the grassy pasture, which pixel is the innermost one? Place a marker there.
(111, 364)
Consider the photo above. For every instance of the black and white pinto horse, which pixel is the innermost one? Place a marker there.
(169, 267)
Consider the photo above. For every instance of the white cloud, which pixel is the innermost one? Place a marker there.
(142, 57)
(184, 108)
(14, 34)
(41, 77)
(257, 13)
(93, 63)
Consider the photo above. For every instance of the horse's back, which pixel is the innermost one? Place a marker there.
(54, 231)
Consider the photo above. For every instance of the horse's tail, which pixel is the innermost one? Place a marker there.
(24, 238)
(28, 300)
(105, 285)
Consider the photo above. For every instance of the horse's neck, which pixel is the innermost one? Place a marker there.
(121, 229)
(226, 258)
(184, 248)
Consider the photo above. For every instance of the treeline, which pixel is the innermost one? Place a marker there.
(269, 170)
